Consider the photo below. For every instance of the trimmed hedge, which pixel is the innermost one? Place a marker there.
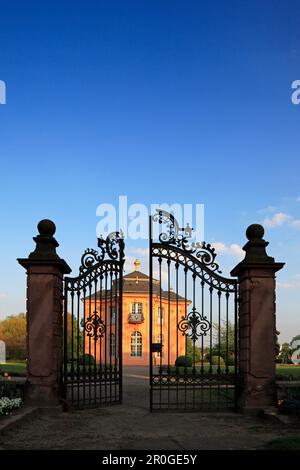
(184, 361)
(216, 360)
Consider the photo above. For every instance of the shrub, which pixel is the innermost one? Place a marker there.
(10, 389)
(216, 360)
(88, 359)
(230, 361)
(183, 361)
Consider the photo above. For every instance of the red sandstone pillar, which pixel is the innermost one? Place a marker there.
(257, 323)
(45, 270)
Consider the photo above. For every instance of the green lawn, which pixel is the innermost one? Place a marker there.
(287, 372)
(285, 443)
(17, 369)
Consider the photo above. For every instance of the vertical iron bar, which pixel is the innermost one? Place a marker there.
(236, 352)
(202, 348)
(227, 338)
(100, 340)
(219, 347)
(83, 347)
(160, 359)
(95, 345)
(194, 342)
(150, 312)
(177, 331)
(77, 348)
(110, 332)
(169, 329)
(90, 343)
(72, 348)
(185, 336)
(210, 341)
(115, 331)
(105, 340)
(120, 320)
(202, 311)
(65, 331)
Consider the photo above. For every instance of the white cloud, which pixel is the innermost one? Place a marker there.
(293, 283)
(141, 251)
(295, 223)
(281, 218)
(234, 249)
(164, 275)
(141, 254)
(278, 219)
(219, 247)
(128, 265)
(237, 250)
(267, 210)
(2, 295)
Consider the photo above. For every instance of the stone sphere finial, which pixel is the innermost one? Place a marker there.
(46, 227)
(255, 231)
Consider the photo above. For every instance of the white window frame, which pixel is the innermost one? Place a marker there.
(136, 344)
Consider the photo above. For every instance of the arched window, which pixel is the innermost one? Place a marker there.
(136, 344)
(112, 345)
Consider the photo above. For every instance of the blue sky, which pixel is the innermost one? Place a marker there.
(162, 101)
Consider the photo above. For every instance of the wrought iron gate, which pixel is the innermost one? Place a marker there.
(193, 322)
(92, 374)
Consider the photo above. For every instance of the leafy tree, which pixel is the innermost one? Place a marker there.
(285, 353)
(190, 350)
(224, 339)
(77, 337)
(13, 333)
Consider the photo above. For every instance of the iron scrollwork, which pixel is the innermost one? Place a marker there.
(94, 327)
(111, 247)
(194, 325)
(179, 237)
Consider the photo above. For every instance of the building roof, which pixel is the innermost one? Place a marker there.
(137, 282)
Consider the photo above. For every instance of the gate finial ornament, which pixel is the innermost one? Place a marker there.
(45, 242)
(137, 264)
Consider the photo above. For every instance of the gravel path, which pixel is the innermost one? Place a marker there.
(132, 426)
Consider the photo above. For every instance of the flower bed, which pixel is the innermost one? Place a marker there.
(7, 405)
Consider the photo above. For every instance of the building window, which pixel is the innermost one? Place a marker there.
(160, 315)
(112, 345)
(136, 344)
(136, 314)
(137, 308)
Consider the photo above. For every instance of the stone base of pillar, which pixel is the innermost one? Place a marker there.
(42, 395)
(257, 395)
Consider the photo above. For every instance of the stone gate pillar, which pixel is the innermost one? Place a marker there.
(257, 323)
(45, 270)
